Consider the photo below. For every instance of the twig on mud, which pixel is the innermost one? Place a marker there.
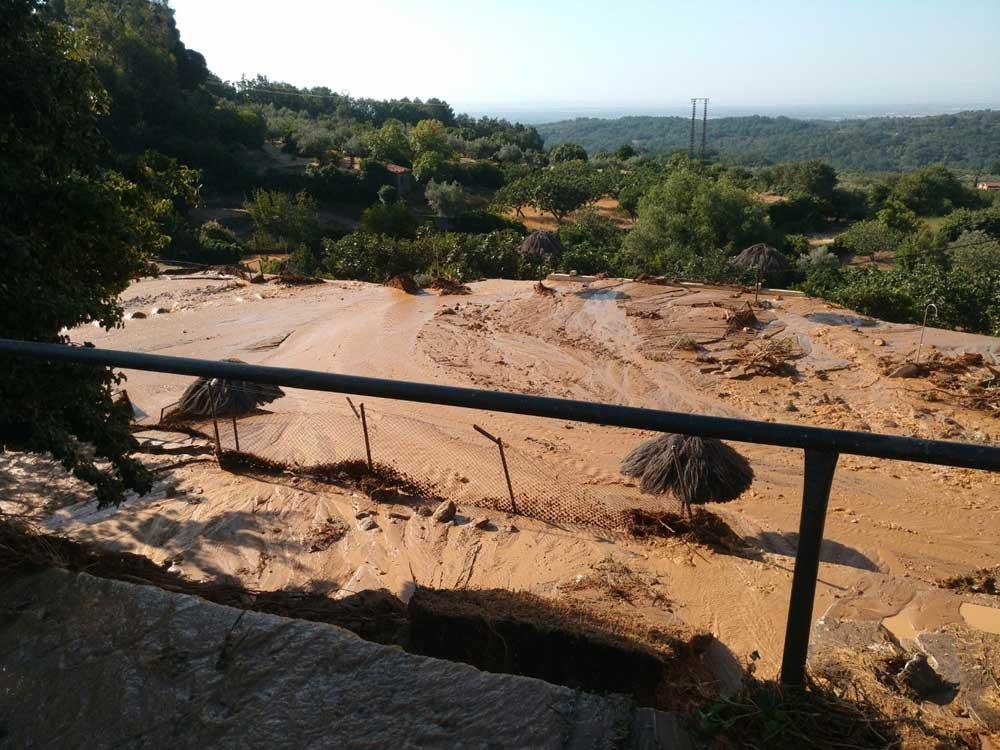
(681, 539)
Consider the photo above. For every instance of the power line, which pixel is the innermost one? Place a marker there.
(704, 124)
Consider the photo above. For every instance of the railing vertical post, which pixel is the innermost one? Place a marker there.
(364, 427)
(236, 435)
(215, 421)
(817, 481)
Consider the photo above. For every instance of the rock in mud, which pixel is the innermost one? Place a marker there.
(907, 370)
(445, 512)
(919, 678)
(480, 523)
(367, 524)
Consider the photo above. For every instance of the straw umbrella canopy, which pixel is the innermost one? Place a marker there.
(542, 244)
(230, 398)
(693, 469)
(766, 259)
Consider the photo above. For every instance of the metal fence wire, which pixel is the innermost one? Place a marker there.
(542, 494)
(451, 459)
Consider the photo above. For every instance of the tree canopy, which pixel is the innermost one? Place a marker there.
(690, 215)
(966, 139)
(73, 235)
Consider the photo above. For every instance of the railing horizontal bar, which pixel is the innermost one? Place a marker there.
(740, 430)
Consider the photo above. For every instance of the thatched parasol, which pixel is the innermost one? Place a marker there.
(695, 470)
(232, 398)
(764, 258)
(542, 244)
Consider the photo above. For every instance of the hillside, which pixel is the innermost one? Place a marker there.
(966, 140)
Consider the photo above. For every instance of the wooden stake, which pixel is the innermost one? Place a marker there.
(364, 427)
(503, 462)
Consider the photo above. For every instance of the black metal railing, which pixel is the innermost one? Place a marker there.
(822, 446)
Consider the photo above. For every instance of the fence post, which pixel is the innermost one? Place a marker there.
(215, 421)
(236, 435)
(820, 466)
(364, 427)
(503, 462)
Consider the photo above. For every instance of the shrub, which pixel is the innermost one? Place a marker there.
(304, 261)
(976, 253)
(592, 244)
(391, 219)
(448, 199)
(866, 238)
(483, 222)
(797, 245)
(373, 257)
(218, 244)
(282, 220)
(567, 152)
(816, 259)
(510, 153)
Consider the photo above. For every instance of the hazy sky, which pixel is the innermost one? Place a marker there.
(624, 52)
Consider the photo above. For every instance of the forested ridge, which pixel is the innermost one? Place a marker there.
(967, 140)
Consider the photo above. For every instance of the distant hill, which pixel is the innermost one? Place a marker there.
(969, 140)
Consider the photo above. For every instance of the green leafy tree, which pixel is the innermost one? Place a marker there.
(932, 191)
(515, 196)
(895, 215)
(429, 136)
(282, 221)
(867, 238)
(448, 199)
(428, 166)
(389, 144)
(625, 152)
(510, 153)
(218, 244)
(73, 235)
(391, 219)
(567, 152)
(923, 248)
(813, 178)
(976, 253)
(563, 189)
(797, 245)
(591, 243)
(986, 220)
(633, 188)
(690, 215)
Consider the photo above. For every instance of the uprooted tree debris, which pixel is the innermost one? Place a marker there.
(741, 320)
(446, 286)
(770, 357)
(839, 707)
(404, 282)
(290, 278)
(965, 379)
(380, 482)
(616, 580)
